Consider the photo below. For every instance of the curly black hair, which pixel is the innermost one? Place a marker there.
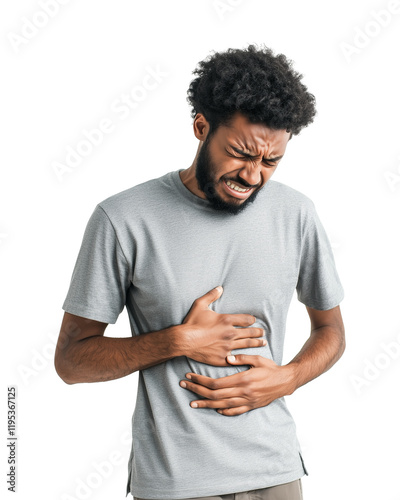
(255, 82)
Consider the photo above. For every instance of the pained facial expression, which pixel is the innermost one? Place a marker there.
(237, 161)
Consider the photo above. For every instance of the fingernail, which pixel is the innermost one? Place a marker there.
(219, 288)
(188, 376)
(264, 342)
(194, 405)
(231, 358)
(183, 384)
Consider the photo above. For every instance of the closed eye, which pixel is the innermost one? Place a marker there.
(270, 162)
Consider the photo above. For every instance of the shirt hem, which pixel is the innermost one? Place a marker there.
(84, 312)
(323, 305)
(215, 490)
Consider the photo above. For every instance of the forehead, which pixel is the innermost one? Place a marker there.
(253, 136)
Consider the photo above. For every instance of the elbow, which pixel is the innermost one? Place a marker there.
(61, 370)
(342, 347)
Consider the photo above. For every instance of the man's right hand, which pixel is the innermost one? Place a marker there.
(85, 354)
(210, 337)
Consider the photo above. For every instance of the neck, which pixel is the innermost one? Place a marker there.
(188, 177)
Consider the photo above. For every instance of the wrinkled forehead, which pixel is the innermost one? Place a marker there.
(254, 138)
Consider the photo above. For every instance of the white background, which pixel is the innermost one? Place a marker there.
(64, 79)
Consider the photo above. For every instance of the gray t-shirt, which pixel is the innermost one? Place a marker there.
(155, 248)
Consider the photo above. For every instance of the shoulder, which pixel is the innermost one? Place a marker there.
(136, 199)
(288, 206)
(283, 196)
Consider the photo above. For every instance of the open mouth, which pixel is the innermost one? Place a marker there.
(235, 190)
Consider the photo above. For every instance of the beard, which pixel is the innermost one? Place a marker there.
(207, 183)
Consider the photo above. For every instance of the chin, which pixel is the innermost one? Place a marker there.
(231, 206)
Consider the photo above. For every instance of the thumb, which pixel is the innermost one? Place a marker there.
(213, 294)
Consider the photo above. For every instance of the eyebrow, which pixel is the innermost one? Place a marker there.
(247, 155)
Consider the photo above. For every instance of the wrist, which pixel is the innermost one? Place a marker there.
(180, 345)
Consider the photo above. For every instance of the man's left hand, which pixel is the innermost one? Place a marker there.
(258, 386)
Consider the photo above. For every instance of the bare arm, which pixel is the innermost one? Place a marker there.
(84, 354)
(322, 349)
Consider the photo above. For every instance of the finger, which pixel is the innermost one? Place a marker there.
(205, 392)
(235, 380)
(219, 403)
(241, 319)
(246, 343)
(231, 412)
(211, 296)
(252, 332)
(205, 300)
(246, 359)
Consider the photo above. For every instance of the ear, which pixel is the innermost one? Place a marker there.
(201, 127)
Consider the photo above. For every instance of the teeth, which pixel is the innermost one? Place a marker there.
(235, 187)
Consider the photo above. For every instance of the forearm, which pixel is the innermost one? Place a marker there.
(321, 351)
(99, 358)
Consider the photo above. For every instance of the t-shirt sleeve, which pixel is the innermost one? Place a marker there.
(318, 283)
(101, 275)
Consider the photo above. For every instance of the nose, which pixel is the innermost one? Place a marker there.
(251, 174)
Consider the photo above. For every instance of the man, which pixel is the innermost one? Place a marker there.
(206, 261)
